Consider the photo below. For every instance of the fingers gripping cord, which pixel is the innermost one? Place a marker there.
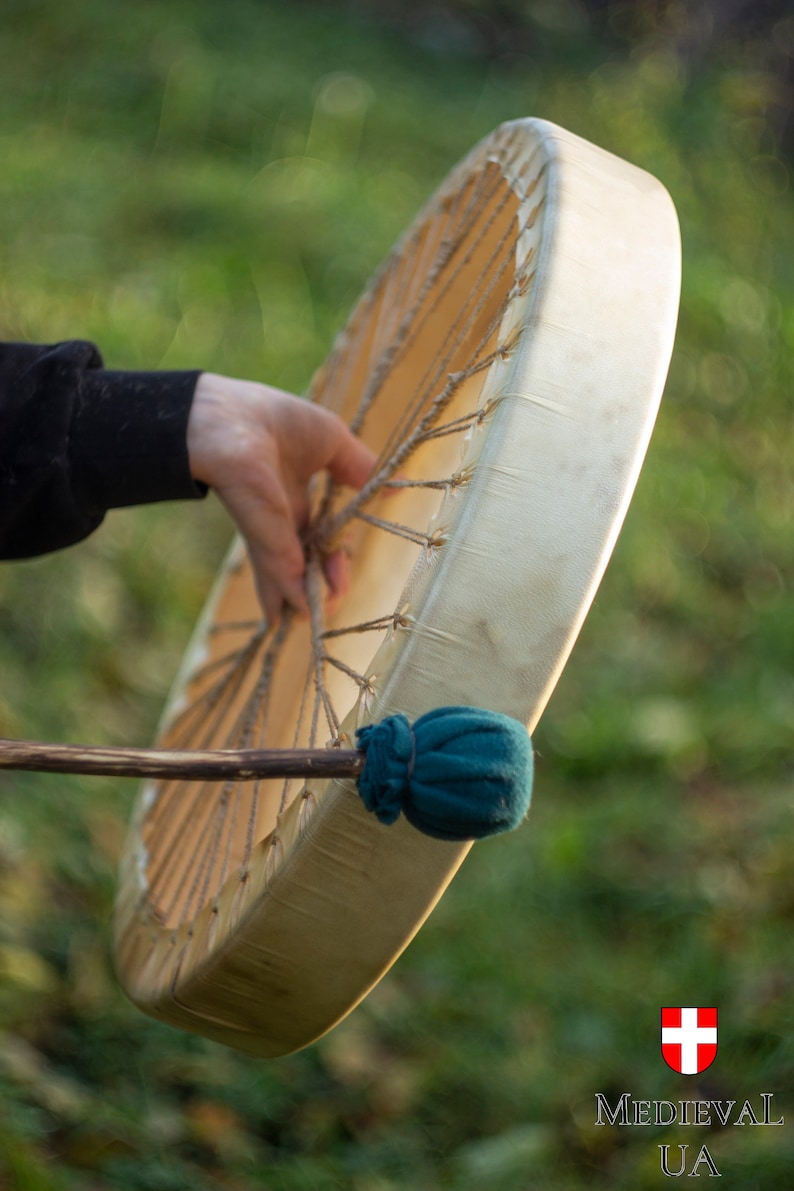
(457, 773)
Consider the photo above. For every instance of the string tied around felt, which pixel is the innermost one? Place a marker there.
(456, 773)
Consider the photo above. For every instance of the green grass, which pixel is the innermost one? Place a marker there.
(210, 185)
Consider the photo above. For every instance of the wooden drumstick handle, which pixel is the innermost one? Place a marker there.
(180, 765)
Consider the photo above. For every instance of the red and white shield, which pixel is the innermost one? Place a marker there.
(689, 1039)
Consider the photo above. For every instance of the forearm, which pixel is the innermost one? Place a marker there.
(77, 440)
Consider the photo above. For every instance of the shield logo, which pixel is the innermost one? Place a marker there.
(689, 1039)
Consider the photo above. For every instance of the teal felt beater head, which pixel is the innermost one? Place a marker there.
(456, 773)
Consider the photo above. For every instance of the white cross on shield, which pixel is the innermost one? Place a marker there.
(689, 1039)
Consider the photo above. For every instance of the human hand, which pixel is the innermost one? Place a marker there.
(258, 448)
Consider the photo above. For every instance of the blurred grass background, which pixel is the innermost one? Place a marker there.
(202, 185)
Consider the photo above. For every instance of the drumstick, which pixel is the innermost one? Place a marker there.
(455, 773)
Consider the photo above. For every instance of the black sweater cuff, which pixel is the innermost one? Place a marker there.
(77, 440)
(128, 441)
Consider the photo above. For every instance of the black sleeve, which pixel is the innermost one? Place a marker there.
(77, 440)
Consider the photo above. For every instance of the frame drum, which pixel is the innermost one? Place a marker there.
(506, 364)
